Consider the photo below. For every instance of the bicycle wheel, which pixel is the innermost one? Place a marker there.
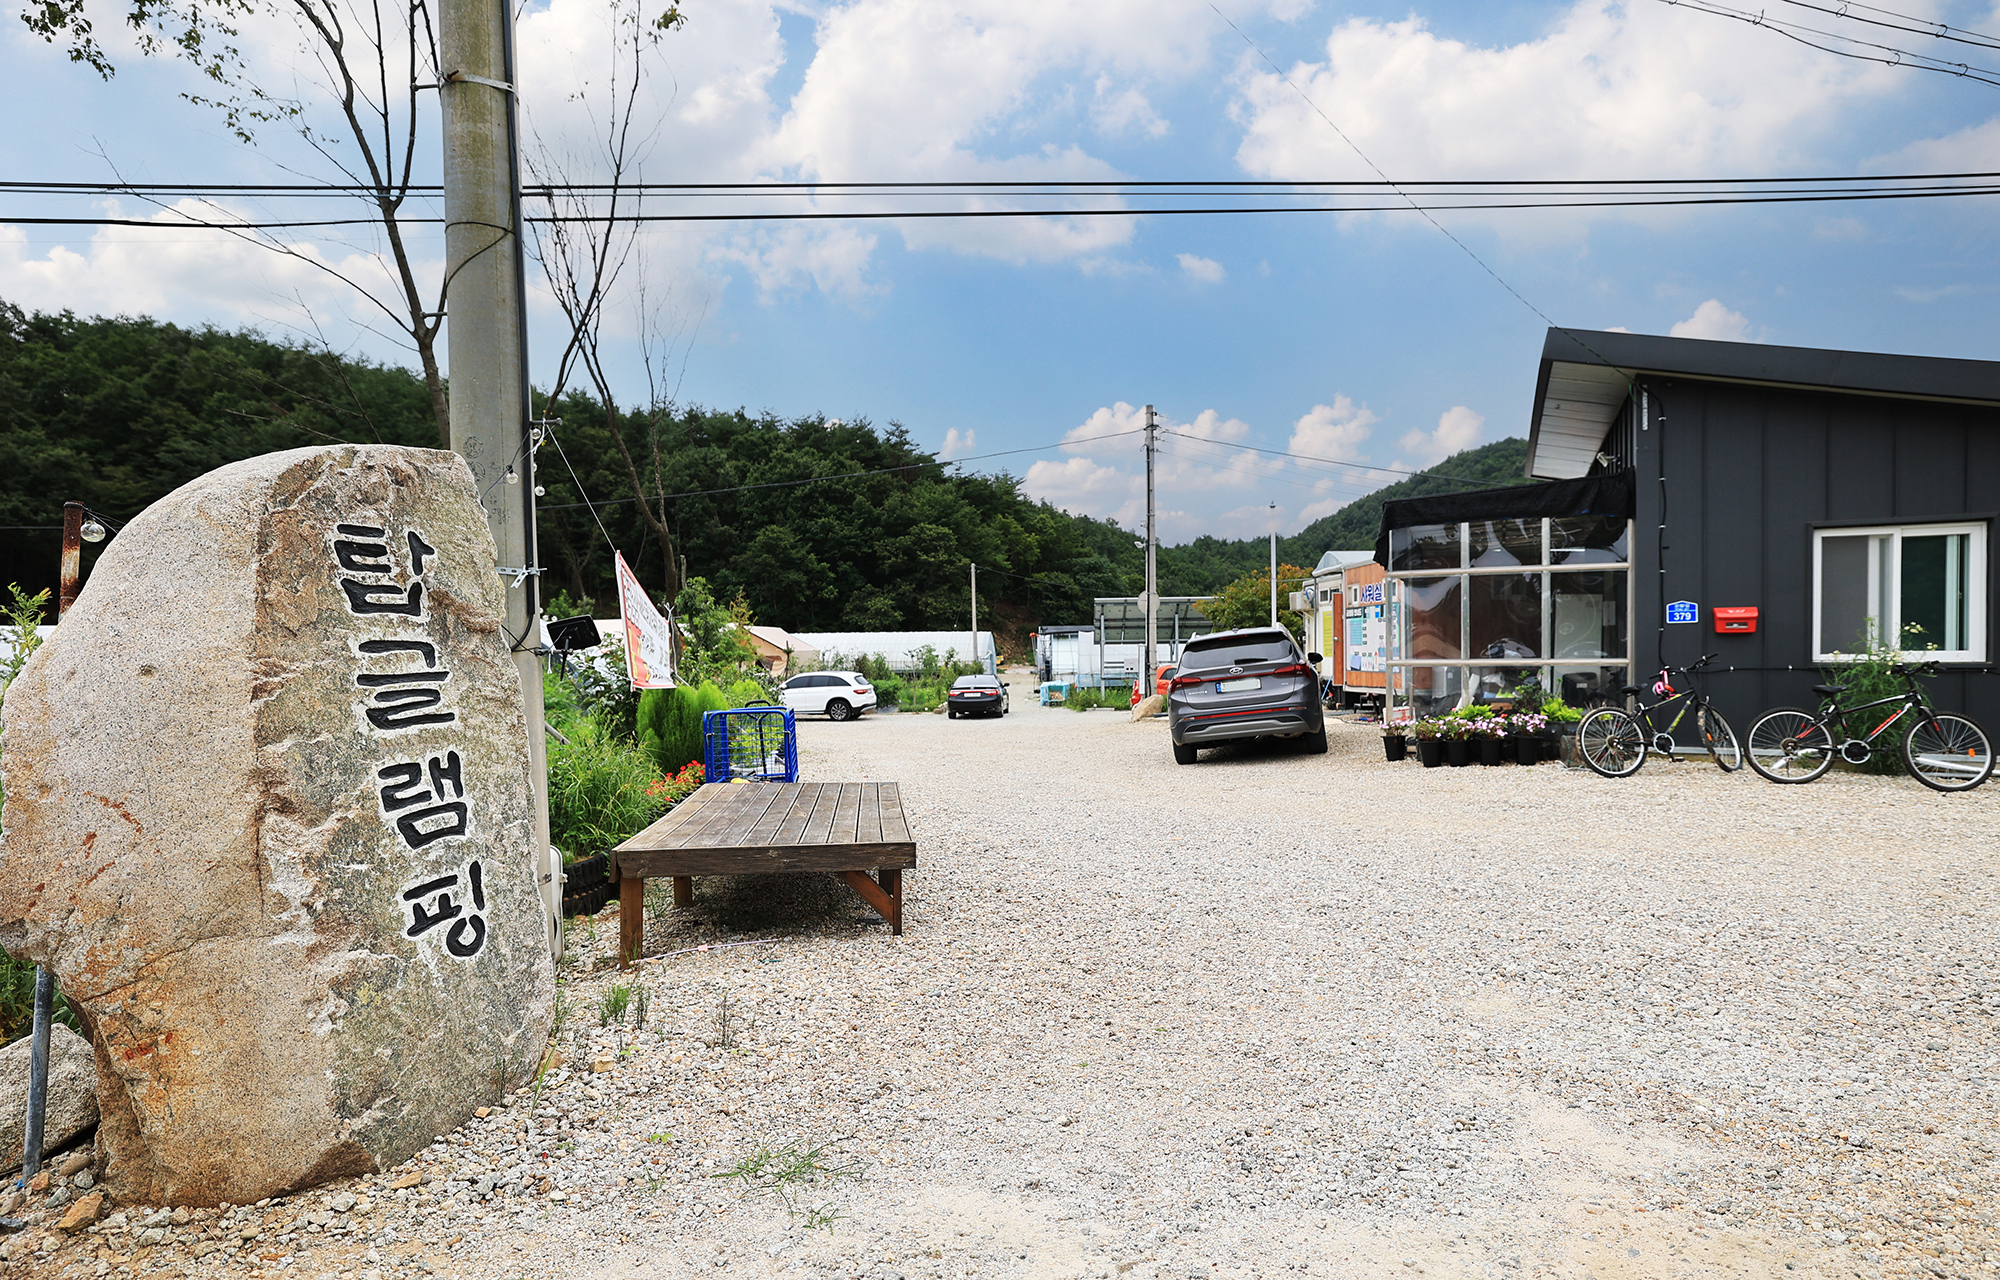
(1611, 742)
(1790, 745)
(1948, 753)
(1719, 738)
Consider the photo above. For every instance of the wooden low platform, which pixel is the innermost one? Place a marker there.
(757, 828)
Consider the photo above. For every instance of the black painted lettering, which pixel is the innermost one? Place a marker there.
(368, 598)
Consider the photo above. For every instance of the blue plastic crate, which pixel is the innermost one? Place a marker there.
(758, 742)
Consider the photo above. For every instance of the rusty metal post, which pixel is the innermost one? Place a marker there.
(72, 556)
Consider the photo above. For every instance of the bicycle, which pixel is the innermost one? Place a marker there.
(1614, 742)
(1943, 751)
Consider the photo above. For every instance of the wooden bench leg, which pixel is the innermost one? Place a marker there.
(631, 919)
(873, 894)
(892, 885)
(683, 891)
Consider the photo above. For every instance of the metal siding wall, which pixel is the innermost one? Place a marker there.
(1794, 446)
(1750, 470)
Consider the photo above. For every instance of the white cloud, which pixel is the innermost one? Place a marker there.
(1336, 431)
(834, 259)
(956, 445)
(1206, 270)
(1106, 477)
(1458, 429)
(1124, 111)
(1715, 322)
(171, 269)
(1610, 88)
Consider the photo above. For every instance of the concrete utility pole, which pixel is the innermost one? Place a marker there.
(975, 613)
(1152, 563)
(1274, 564)
(488, 346)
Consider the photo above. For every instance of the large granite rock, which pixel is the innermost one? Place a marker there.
(268, 818)
(70, 1105)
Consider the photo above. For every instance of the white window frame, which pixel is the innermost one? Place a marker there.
(1892, 564)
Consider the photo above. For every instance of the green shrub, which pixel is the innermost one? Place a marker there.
(1116, 696)
(1870, 675)
(745, 692)
(602, 789)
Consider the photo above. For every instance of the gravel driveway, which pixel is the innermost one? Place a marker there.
(1267, 1014)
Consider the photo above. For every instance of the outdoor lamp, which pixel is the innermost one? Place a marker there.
(92, 531)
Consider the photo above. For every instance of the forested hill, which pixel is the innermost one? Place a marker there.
(1201, 566)
(117, 413)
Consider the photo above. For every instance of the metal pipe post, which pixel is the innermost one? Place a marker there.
(1274, 564)
(1152, 564)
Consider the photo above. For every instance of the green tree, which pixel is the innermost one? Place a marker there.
(1246, 602)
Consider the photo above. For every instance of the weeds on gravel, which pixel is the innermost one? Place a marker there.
(788, 1171)
(612, 1005)
(725, 1028)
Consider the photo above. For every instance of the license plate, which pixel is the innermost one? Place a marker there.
(1238, 686)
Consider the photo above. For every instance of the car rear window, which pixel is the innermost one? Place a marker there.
(975, 682)
(1231, 653)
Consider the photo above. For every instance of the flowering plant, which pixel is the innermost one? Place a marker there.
(1427, 729)
(1398, 728)
(679, 787)
(1528, 723)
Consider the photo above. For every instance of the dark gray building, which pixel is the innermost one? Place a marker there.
(1839, 494)
(1777, 506)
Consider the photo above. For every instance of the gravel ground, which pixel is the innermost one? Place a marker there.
(1268, 1014)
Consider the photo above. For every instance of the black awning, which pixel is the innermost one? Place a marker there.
(1601, 495)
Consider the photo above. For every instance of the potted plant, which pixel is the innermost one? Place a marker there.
(1489, 731)
(1457, 745)
(1526, 728)
(1395, 746)
(1430, 742)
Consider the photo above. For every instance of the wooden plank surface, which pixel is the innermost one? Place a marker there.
(739, 828)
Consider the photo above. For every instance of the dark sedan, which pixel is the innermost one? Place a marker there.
(1252, 683)
(976, 696)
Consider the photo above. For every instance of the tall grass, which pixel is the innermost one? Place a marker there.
(602, 789)
(19, 639)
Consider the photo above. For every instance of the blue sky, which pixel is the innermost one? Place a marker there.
(1370, 339)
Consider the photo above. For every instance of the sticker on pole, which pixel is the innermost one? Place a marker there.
(649, 637)
(1683, 611)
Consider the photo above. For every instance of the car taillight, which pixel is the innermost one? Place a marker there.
(862, 688)
(1295, 669)
(1186, 682)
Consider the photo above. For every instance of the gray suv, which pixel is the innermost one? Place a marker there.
(1252, 683)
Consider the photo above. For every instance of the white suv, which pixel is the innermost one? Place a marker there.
(842, 695)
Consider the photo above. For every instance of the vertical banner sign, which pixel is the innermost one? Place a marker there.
(649, 638)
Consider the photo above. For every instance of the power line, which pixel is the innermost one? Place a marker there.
(1926, 27)
(1337, 462)
(1408, 206)
(843, 475)
(1792, 30)
(38, 186)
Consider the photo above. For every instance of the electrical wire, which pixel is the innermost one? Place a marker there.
(41, 187)
(1938, 30)
(1409, 206)
(1799, 32)
(843, 475)
(1336, 462)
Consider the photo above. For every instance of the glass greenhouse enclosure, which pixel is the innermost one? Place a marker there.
(1507, 610)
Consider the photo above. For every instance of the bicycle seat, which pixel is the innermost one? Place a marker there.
(1630, 690)
(1829, 689)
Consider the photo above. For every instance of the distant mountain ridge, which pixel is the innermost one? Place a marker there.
(1206, 564)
